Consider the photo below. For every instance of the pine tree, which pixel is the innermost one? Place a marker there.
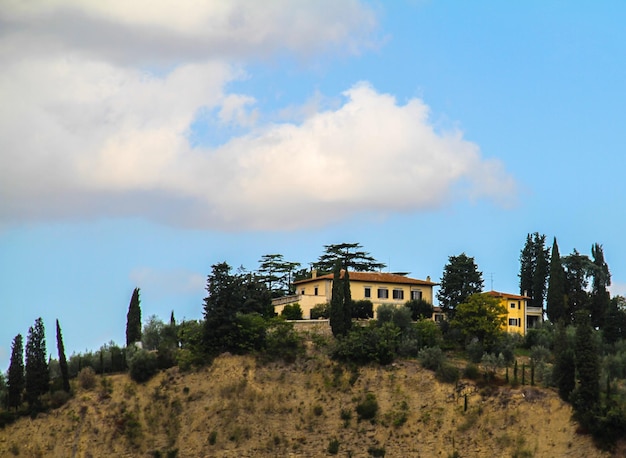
(351, 257)
(37, 376)
(133, 319)
(556, 300)
(460, 280)
(15, 381)
(65, 374)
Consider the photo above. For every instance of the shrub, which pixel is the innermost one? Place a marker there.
(420, 309)
(384, 313)
(431, 358)
(213, 437)
(292, 312)
(474, 351)
(447, 373)
(282, 341)
(376, 451)
(362, 309)
(58, 398)
(368, 343)
(367, 409)
(333, 446)
(471, 372)
(320, 311)
(402, 318)
(87, 378)
(142, 366)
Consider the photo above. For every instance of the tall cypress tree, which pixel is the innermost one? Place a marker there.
(16, 380)
(133, 319)
(65, 374)
(556, 300)
(534, 265)
(587, 395)
(336, 312)
(601, 280)
(564, 371)
(347, 302)
(37, 375)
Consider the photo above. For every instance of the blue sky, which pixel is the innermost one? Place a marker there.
(141, 144)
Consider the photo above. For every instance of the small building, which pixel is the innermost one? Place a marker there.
(520, 317)
(377, 287)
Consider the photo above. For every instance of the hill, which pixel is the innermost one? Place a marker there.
(238, 407)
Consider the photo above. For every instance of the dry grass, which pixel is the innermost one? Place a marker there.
(238, 408)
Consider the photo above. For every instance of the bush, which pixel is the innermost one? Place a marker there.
(447, 373)
(420, 309)
(362, 309)
(384, 313)
(474, 351)
(431, 358)
(87, 378)
(320, 311)
(282, 341)
(58, 398)
(333, 446)
(292, 312)
(471, 372)
(142, 366)
(368, 343)
(367, 409)
(402, 318)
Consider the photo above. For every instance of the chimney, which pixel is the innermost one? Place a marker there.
(428, 278)
(313, 273)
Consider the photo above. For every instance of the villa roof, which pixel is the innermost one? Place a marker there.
(373, 277)
(507, 295)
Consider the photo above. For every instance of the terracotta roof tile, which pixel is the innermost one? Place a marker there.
(374, 277)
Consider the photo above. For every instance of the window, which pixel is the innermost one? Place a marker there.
(513, 322)
(519, 305)
(367, 292)
(315, 291)
(438, 317)
(383, 293)
(512, 305)
(302, 292)
(398, 294)
(416, 295)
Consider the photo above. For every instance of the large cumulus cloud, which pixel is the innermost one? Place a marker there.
(99, 102)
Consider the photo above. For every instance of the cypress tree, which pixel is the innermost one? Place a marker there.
(347, 302)
(15, 380)
(37, 376)
(337, 320)
(587, 368)
(600, 298)
(555, 302)
(65, 374)
(534, 264)
(133, 319)
(564, 371)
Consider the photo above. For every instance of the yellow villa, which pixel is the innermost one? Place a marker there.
(377, 287)
(520, 316)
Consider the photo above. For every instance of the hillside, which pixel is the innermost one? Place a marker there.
(238, 407)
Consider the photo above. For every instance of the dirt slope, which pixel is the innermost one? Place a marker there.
(239, 408)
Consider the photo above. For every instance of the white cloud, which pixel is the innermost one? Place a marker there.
(170, 281)
(86, 131)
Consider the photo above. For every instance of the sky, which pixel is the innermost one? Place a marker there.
(143, 142)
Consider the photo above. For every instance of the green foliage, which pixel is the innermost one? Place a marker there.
(362, 309)
(152, 334)
(460, 280)
(384, 313)
(292, 312)
(491, 363)
(556, 296)
(37, 376)
(543, 336)
(368, 408)
(65, 375)
(481, 316)
(142, 365)
(578, 269)
(600, 298)
(212, 437)
(615, 321)
(376, 452)
(471, 372)
(333, 446)
(87, 378)
(350, 257)
(447, 373)
(230, 295)
(368, 343)
(340, 302)
(282, 341)
(431, 358)
(420, 308)
(587, 393)
(320, 311)
(277, 274)
(564, 370)
(249, 333)
(15, 379)
(534, 266)
(133, 319)
(402, 318)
